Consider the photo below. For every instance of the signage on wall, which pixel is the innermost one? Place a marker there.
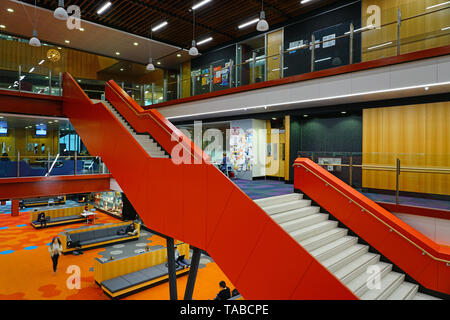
(330, 163)
(3, 128)
(331, 43)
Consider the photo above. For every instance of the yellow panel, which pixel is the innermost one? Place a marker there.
(418, 135)
(274, 43)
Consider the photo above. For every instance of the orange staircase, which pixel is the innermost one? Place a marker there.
(195, 202)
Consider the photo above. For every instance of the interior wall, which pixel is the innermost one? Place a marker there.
(274, 44)
(416, 34)
(419, 136)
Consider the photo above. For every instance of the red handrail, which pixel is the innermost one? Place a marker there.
(423, 259)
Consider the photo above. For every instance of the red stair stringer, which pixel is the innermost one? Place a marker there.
(196, 203)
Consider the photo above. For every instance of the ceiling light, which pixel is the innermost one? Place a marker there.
(81, 29)
(67, 41)
(438, 5)
(200, 4)
(262, 25)
(193, 51)
(248, 23)
(121, 69)
(304, 1)
(274, 118)
(104, 7)
(42, 61)
(427, 88)
(158, 63)
(2, 26)
(56, 120)
(60, 13)
(10, 10)
(31, 70)
(305, 116)
(136, 44)
(159, 26)
(34, 41)
(59, 48)
(118, 53)
(204, 41)
(343, 112)
(178, 55)
(150, 66)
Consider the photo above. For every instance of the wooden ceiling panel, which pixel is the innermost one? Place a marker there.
(218, 18)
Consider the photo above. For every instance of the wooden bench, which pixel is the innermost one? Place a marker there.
(59, 216)
(127, 275)
(95, 236)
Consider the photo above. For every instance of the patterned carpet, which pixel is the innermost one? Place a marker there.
(258, 189)
(24, 257)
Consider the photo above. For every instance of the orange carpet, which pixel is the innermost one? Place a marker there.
(26, 268)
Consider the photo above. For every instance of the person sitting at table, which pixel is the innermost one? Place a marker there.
(131, 230)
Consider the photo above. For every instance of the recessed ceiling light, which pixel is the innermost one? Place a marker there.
(305, 116)
(178, 55)
(56, 120)
(427, 88)
(2, 26)
(200, 4)
(81, 29)
(121, 69)
(118, 53)
(66, 41)
(304, 1)
(59, 48)
(42, 61)
(274, 118)
(136, 44)
(159, 62)
(343, 112)
(104, 7)
(10, 10)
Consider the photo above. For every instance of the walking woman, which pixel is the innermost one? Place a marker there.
(55, 250)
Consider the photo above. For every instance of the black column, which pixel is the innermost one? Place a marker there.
(172, 269)
(192, 274)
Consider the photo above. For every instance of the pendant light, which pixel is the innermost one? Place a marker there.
(34, 41)
(150, 66)
(60, 13)
(262, 25)
(193, 51)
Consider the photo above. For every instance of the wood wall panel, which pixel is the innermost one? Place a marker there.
(186, 79)
(415, 34)
(418, 135)
(274, 43)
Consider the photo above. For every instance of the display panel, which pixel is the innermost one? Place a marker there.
(3, 128)
(41, 130)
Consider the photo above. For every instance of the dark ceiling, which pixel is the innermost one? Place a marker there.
(218, 19)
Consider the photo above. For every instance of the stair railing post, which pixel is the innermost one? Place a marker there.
(192, 274)
(172, 268)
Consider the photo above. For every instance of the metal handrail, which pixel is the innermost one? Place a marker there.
(373, 215)
(391, 168)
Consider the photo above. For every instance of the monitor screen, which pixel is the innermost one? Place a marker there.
(41, 130)
(3, 127)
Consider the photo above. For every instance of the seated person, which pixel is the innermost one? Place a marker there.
(235, 293)
(180, 260)
(42, 219)
(131, 230)
(224, 293)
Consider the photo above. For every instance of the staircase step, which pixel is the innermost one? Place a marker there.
(266, 202)
(333, 248)
(406, 291)
(421, 296)
(287, 206)
(359, 285)
(346, 258)
(300, 223)
(294, 214)
(313, 230)
(388, 284)
(323, 239)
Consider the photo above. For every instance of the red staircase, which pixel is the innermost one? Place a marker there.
(196, 203)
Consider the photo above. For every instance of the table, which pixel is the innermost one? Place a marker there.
(87, 214)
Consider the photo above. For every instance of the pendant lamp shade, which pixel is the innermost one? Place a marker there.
(262, 25)
(34, 41)
(150, 66)
(193, 51)
(60, 13)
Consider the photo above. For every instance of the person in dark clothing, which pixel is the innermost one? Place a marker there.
(224, 293)
(42, 219)
(5, 157)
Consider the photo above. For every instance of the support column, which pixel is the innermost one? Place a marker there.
(192, 274)
(14, 207)
(172, 269)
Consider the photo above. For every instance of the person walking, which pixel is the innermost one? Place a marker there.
(55, 250)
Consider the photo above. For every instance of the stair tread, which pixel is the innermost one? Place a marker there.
(264, 202)
(403, 291)
(322, 236)
(361, 280)
(302, 220)
(332, 245)
(421, 296)
(302, 212)
(344, 254)
(387, 282)
(312, 227)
